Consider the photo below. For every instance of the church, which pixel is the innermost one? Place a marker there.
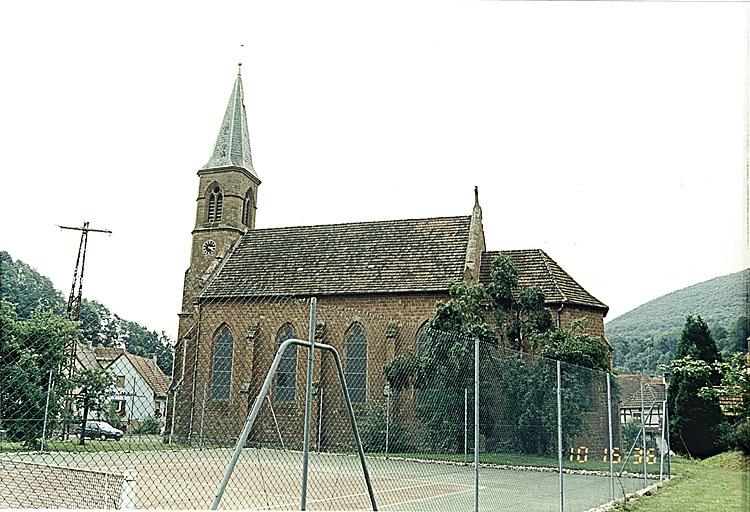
(245, 288)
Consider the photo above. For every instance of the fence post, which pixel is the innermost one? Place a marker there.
(308, 403)
(129, 490)
(666, 423)
(387, 393)
(203, 415)
(661, 448)
(476, 425)
(643, 434)
(46, 410)
(466, 421)
(559, 434)
(611, 458)
(320, 412)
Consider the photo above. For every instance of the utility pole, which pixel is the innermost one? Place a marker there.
(73, 309)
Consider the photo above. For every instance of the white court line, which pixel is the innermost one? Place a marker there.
(380, 493)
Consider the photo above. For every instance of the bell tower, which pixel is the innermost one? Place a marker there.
(226, 201)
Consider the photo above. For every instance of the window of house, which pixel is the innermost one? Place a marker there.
(215, 204)
(356, 363)
(221, 367)
(119, 406)
(120, 381)
(287, 371)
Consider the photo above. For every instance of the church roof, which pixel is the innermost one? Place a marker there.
(232, 147)
(416, 255)
(536, 268)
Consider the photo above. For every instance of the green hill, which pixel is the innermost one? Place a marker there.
(646, 336)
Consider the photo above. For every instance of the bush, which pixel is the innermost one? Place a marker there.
(371, 424)
(150, 425)
(738, 436)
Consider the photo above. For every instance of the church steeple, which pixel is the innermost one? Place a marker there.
(232, 148)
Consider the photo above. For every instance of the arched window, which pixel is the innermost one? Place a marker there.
(221, 367)
(356, 362)
(215, 203)
(247, 210)
(287, 371)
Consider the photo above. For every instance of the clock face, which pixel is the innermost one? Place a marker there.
(209, 247)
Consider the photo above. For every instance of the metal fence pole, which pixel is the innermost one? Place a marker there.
(203, 415)
(476, 425)
(611, 458)
(666, 425)
(387, 393)
(661, 449)
(466, 421)
(643, 434)
(320, 415)
(46, 410)
(559, 434)
(308, 403)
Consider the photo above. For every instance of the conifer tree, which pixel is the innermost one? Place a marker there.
(694, 420)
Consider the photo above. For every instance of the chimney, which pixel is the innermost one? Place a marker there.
(153, 357)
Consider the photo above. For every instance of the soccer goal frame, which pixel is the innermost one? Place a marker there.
(250, 420)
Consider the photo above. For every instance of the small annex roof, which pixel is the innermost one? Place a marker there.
(414, 255)
(630, 391)
(536, 268)
(232, 148)
(151, 373)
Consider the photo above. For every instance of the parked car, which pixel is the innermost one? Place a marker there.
(101, 430)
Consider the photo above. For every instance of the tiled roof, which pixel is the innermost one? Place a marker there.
(630, 391)
(536, 268)
(105, 355)
(86, 356)
(150, 372)
(364, 257)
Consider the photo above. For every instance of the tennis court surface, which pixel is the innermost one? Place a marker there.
(267, 479)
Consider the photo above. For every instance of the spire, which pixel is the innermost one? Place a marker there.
(233, 143)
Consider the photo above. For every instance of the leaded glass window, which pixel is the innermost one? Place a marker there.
(356, 363)
(287, 371)
(221, 367)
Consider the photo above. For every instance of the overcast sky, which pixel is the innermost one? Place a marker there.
(610, 135)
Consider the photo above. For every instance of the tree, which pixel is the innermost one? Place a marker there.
(508, 319)
(31, 353)
(695, 420)
(90, 386)
(27, 289)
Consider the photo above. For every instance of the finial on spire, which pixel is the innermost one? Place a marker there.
(239, 68)
(476, 194)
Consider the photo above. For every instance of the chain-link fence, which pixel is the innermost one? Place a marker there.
(246, 420)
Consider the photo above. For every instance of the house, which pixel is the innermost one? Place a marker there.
(139, 389)
(242, 281)
(647, 409)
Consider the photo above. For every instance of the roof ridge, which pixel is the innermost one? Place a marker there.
(542, 254)
(468, 217)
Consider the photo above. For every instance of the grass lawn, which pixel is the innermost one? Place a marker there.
(720, 483)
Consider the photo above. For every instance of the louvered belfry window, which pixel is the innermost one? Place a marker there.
(356, 363)
(215, 203)
(221, 368)
(247, 212)
(287, 371)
